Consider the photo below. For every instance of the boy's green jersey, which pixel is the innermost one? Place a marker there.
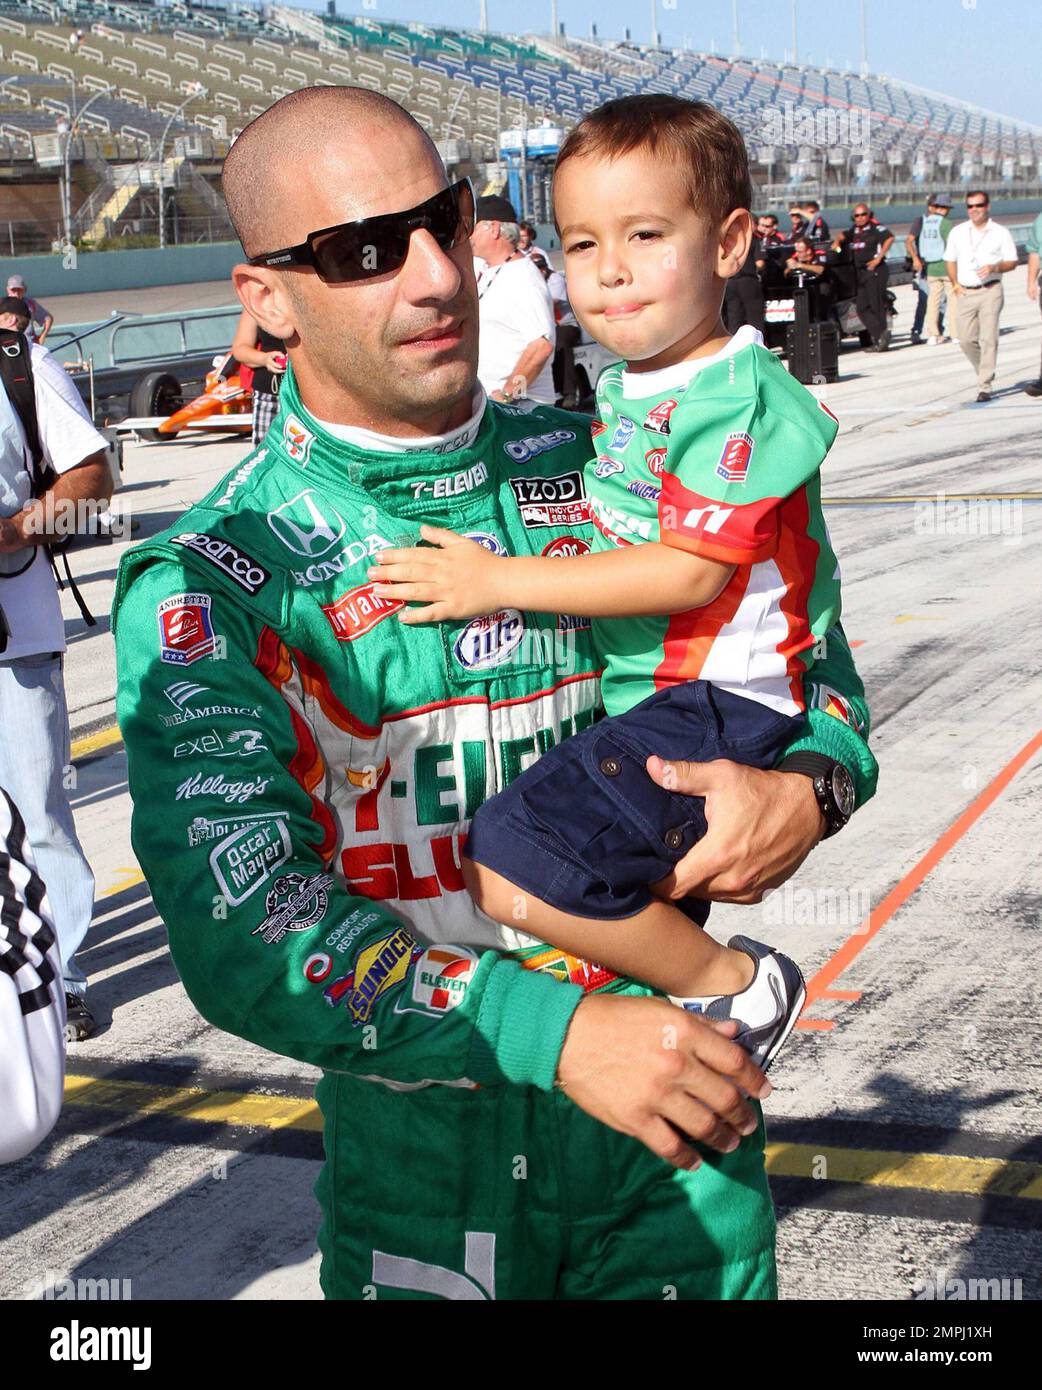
(720, 458)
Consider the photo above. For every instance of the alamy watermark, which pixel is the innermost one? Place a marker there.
(970, 516)
(829, 127)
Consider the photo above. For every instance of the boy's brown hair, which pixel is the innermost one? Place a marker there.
(704, 145)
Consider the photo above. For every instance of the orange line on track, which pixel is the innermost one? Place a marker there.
(818, 987)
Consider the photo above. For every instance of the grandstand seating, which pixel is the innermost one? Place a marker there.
(461, 84)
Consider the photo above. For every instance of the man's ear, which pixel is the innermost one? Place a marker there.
(733, 242)
(265, 299)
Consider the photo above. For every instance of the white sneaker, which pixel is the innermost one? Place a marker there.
(766, 1010)
(935, 342)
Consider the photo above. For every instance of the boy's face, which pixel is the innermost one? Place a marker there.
(643, 268)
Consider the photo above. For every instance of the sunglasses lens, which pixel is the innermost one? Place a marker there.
(380, 245)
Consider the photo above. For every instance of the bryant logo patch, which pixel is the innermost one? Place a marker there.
(733, 466)
(358, 611)
(658, 417)
(185, 629)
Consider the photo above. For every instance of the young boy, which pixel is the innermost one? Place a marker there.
(711, 579)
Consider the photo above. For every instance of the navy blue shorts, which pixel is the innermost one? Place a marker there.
(586, 830)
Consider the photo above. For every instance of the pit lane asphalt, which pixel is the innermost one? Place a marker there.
(903, 1135)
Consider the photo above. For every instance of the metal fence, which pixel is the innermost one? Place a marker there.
(45, 238)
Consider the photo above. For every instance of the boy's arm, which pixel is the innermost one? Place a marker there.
(457, 578)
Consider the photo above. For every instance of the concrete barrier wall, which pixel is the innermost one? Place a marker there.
(122, 270)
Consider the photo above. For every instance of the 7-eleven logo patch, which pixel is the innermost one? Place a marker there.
(441, 977)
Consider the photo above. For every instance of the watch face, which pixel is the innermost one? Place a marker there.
(843, 791)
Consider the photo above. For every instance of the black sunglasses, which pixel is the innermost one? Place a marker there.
(977, 205)
(374, 246)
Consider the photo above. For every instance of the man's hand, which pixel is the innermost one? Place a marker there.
(983, 270)
(762, 825)
(456, 580)
(650, 1070)
(1032, 289)
(10, 536)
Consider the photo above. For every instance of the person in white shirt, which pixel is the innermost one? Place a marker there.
(979, 252)
(34, 717)
(517, 331)
(32, 1001)
(566, 382)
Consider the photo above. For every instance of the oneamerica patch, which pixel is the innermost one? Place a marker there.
(241, 569)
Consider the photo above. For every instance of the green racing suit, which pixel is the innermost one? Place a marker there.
(304, 769)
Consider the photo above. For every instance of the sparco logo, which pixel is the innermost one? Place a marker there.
(243, 569)
(304, 526)
(521, 450)
(559, 501)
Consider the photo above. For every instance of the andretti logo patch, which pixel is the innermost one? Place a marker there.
(733, 465)
(185, 629)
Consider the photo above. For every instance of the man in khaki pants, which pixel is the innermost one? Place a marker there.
(979, 252)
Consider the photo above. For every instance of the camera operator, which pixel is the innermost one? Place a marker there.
(52, 462)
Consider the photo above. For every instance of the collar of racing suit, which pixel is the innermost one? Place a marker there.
(454, 478)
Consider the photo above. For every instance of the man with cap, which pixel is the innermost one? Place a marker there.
(516, 313)
(38, 314)
(868, 242)
(925, 244)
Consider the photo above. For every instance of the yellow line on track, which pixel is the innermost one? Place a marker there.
(948, 1173)
(192, 1103)
(104, 738)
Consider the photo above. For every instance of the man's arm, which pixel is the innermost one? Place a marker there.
(762, 825)
(526, 370)
(48, 320)
(273, 948)
(48, 516)
(1033, 266)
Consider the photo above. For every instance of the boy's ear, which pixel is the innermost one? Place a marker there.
(735, 238)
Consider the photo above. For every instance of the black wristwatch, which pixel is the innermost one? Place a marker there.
(833, 786)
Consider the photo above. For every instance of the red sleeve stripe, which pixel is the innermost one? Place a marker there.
(689, 636)
(307, 767)
(797, 561)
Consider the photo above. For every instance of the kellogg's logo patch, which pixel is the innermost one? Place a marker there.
(358, 611)
(733, 465)
(185, 629)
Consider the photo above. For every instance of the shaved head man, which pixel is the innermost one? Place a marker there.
(397, 352)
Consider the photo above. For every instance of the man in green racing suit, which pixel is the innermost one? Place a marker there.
(302, 795)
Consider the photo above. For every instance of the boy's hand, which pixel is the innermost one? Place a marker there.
(456, 580)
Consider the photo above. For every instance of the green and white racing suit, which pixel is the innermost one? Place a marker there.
(304, 769)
